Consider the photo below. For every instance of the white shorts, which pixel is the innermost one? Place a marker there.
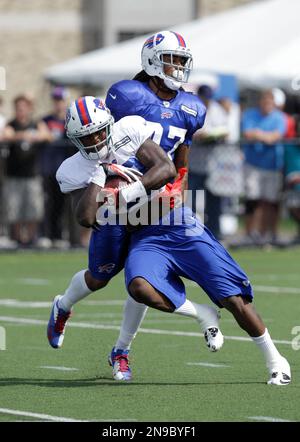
(23, 199)
(261, 184)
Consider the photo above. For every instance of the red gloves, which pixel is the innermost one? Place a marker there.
(173, 191)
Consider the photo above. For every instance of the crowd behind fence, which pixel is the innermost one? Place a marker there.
(248, 164)
(223, 182)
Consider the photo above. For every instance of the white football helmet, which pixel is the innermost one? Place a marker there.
(167, 43)
(85, 116)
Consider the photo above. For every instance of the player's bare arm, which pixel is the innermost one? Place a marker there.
(160, 168)
(84, 202)
(160, 171)
(181, 160)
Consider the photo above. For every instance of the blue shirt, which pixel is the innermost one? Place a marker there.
(174, 121)
(264, 156)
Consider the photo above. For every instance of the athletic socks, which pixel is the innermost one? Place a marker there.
(266, 345)
(76, 291)
(206, 315)
(133, 315)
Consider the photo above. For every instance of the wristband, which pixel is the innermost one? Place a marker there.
(132, 192)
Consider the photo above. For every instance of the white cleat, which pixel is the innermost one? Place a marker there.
(214, 338)
(210, 327)
(280, 373)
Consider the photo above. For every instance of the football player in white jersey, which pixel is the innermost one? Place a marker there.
(91, 128)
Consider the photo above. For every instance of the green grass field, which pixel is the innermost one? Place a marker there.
(172, 379)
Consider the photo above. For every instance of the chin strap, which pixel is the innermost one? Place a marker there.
(160, 85)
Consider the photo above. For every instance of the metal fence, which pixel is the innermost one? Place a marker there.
(218, 168)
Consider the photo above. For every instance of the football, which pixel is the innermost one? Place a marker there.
(115, 182)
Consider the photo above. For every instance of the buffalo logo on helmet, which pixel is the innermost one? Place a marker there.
(150, 42)
(100, 104)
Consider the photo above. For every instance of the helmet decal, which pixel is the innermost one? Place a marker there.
(180, 39)
(150, 42)
(83, 111)
(100, 104)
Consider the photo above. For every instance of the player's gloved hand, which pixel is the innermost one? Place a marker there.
(121, 197)
(173, 191)
(128, 174)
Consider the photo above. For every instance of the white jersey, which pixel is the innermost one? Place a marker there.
(129, 134)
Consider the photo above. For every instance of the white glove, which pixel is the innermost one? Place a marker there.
(129, 174)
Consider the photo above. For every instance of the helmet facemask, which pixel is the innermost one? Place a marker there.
(102, 149)
(180, 73)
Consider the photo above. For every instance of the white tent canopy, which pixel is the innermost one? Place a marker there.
(258, 42)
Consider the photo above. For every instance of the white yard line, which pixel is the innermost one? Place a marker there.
(48, 417)
(39, 415)
(268, 419)
(33, 281)
(260, 288)
(278, 290)
(24, 304)
(86, 325)
(50, 367)
(106, 302)
(47, 304)
(208, 364)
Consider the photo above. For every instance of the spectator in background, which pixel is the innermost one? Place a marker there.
(291, 163)
(52, 155)
(233, 117)
(2, 119)
(292, 184)
(214, 131)
(58, 213)
(280, 100)
(263, 128)
(3, 237)
(23, 191)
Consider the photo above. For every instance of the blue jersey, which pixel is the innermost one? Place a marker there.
(174, 121)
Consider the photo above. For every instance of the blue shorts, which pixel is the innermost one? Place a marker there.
(108, 249)
(163, 254)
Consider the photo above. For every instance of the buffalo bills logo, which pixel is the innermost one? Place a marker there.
(150, 42)
(108, 268)
(166, 114)
(100, 104)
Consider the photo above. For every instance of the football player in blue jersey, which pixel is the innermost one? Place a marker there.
(174, 116)
(157, 95)
(155, 263)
